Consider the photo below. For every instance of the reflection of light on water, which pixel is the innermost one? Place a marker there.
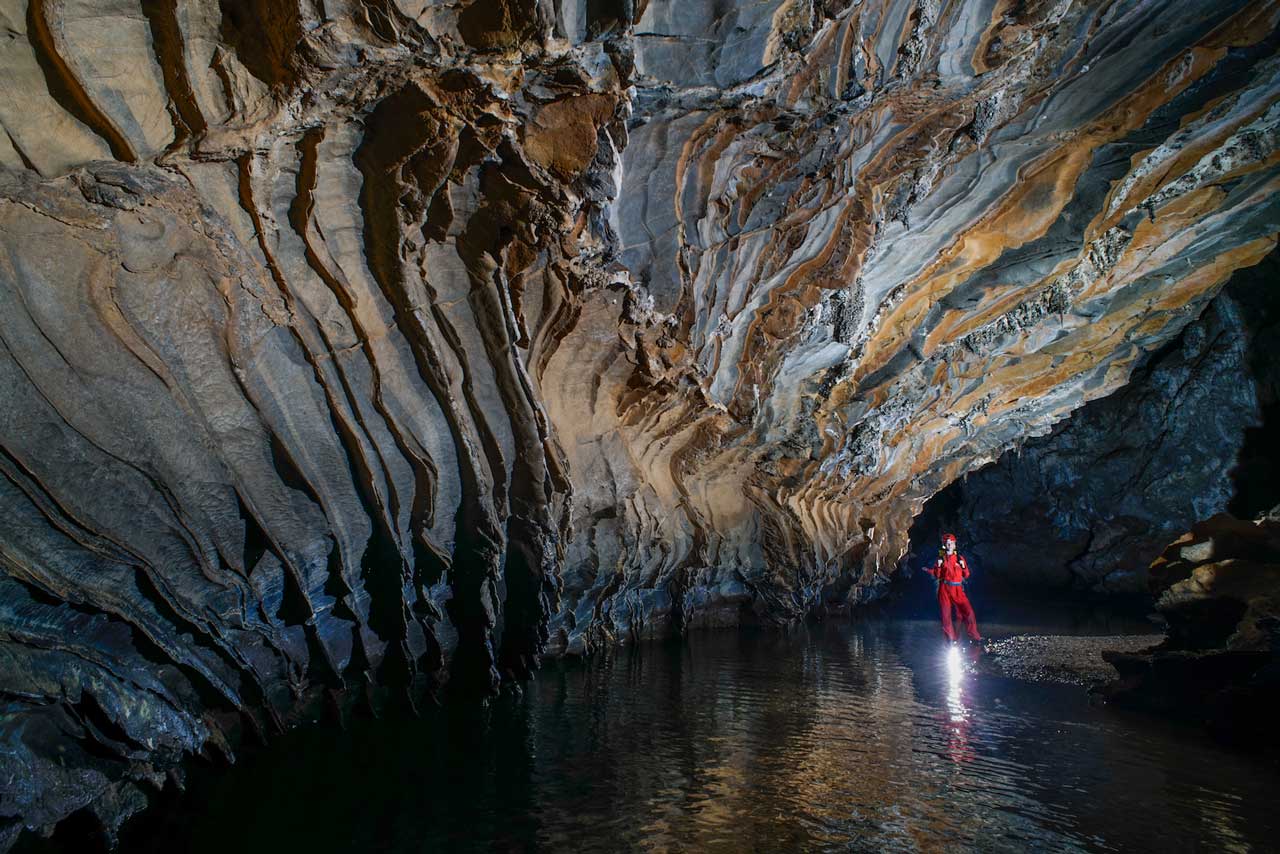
(955, 680)
(958, 714)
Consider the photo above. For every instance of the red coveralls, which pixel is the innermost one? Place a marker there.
(951, 571)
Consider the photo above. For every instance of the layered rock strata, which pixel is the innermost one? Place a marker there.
(348, 348)
(1087, 508)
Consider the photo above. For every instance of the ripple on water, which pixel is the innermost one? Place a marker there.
(853, 737)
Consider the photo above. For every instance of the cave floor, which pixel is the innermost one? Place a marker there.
(857, 736)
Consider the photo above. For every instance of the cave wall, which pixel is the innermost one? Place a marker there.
(350, 350)
(1087, 508)
(1217, 586)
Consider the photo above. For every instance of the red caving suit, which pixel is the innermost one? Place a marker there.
(951, 571)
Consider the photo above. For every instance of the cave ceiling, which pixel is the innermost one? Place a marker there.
(386, 344)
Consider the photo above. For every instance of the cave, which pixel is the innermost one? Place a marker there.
(533, 425)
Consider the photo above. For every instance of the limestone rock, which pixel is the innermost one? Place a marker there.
(1218, 588)
(1218, 585)
(1087, 508)
(350, 351)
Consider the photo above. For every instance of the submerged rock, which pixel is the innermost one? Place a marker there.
(355, 352)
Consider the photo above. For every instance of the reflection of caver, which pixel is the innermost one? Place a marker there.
(951, 570)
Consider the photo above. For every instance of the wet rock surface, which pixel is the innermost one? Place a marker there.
(355, 352)
(1070, 659)
(1087, 508)
(1218, 588)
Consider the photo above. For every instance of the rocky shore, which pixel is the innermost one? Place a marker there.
(1075, 660)
(1218, 587)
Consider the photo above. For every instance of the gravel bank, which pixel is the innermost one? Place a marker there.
(1060, 658)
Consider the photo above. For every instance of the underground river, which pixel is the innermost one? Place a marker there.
(857, 736)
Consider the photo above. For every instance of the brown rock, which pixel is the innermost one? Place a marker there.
(561, 136)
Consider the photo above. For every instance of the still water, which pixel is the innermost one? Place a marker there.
(838, 737)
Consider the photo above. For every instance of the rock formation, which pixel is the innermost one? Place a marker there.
(1218, 587)
(1088, 507)
(350, 347)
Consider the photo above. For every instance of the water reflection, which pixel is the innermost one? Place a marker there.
(955, 681)
(866, 737)
(957, 713)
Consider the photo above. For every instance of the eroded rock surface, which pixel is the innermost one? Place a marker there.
(1087, 508)
(1218, 588)
(350, 348)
